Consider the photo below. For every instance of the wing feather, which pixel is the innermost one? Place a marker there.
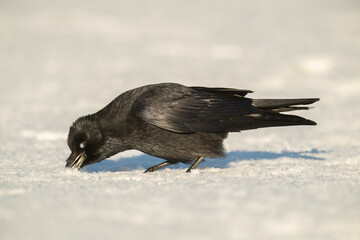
(184, 110)
(197, 109)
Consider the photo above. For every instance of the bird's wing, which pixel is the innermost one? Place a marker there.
(184, 110)
(224, 91)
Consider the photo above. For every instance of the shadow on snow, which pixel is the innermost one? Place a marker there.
(145, 161)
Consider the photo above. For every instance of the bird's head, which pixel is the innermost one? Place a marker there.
(84, 140)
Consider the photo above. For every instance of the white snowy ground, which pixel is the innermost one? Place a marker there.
(63, 59)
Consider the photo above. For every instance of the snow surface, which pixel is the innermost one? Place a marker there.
(63, 59)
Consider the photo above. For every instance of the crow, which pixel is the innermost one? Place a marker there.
(176, 123)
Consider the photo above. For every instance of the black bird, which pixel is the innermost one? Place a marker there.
(176, 123)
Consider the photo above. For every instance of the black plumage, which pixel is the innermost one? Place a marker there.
(175, 122)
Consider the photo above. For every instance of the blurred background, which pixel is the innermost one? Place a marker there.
(63, 59)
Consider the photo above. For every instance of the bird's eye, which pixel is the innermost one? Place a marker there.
(82, 145)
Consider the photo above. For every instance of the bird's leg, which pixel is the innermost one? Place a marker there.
(195, 164)
(157, 167)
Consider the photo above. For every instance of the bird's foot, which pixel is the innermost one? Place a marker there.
(195, 164)
(157, 167)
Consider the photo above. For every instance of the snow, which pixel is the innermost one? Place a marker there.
(63, 59)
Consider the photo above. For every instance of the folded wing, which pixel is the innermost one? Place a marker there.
(197, 109)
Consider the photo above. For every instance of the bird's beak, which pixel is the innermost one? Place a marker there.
(76, 161)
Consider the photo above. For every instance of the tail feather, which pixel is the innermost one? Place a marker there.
(277, 119)
(270, 114)
(265, 119)
(287, 109)
(283, 105)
